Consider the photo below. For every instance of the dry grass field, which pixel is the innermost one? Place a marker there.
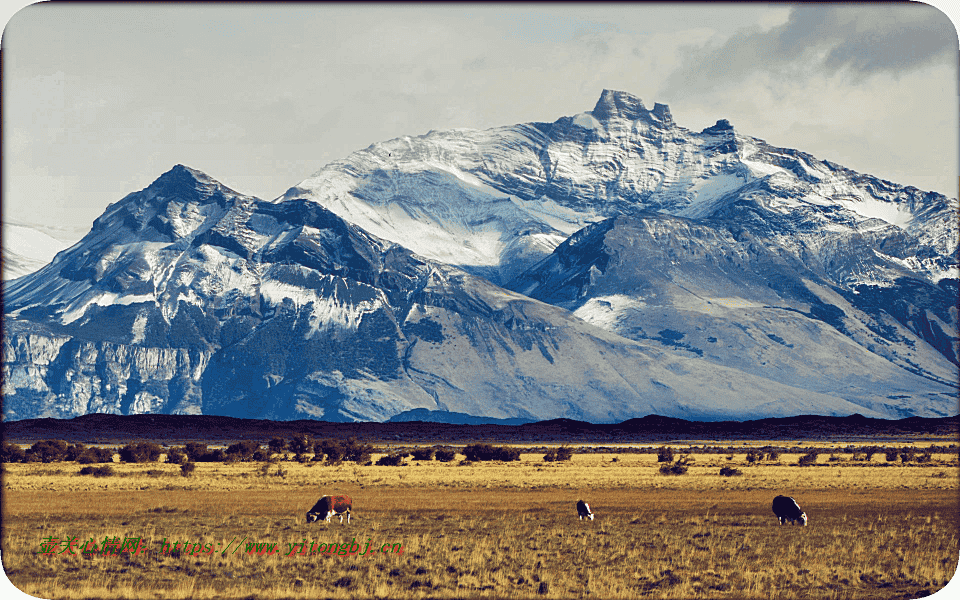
(490, 530)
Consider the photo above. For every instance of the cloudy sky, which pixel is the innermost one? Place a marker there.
(99, 99)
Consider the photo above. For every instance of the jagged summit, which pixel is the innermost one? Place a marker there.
(709, 275)
(720, 126)
(618, 104)
(622, 105)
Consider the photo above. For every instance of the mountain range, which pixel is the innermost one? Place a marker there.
(602, 267)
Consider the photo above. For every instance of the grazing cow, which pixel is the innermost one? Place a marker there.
(328, 506)
(583, 509)
(787, 509)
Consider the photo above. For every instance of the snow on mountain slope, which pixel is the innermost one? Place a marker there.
(710, 275)
(187, 297)
(26, 249)
(873, 263)
(465, 196)
(708, 289)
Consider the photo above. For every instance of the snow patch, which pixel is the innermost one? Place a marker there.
(606, 311)
(587, 121)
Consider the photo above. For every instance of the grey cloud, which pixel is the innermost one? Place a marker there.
(859, 39)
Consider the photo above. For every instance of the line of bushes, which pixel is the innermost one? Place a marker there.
(48, 451)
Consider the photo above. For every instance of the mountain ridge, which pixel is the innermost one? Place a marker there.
(690, 261)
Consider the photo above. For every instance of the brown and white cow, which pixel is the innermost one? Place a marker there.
(583, 509)
(328, 506)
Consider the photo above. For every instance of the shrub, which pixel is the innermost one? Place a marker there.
(139, 452)
(390, 460)
(664, 454)
(754, 456)
(730, 471)
(301, 443)
(477, 452)
(47, 451)
(74, 451)
(773, 455)
(176, 456)
(187, 469)
(446, 454)
(558, 454)
(261, 455)
(244, 450)
(907, 454)
(196, 452)
(424, 453)
(104, 471)
(277, 445)
(891, 455)
(357, 451)
(95, 455)
(332, 449)
(678, 468)
(869, 451)
(809, 458)
(11, 453)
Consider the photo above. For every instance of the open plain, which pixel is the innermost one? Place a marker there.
(489, 529)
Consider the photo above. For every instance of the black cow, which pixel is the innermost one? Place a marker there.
(328, 506)
(583, 509)
(787, 509)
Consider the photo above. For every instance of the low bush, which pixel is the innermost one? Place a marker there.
(424, 453)
(176, 456)
(446, 454)
(243, 450)
(478, 452)
(140, 452)
(665, 454)
(47, 451)
(730, 472)
(808, 459)
(104, 471)
(12, 453)
(558, 454)
(390, 460)
(187, 469)
(677, 468)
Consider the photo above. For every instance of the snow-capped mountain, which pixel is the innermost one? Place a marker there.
(26, 249)
(642, 268)
(711, 289)
(496, 201)
(187, 297)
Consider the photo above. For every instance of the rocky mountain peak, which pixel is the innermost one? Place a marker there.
(188, 184)
(615, 104)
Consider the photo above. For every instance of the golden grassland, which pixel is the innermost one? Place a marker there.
(493, 530)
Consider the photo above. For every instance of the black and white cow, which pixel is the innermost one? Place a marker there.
(787, 509)
(328, 506)
(583, 509)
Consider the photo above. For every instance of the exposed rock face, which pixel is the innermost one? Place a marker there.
(710, 276)
(187, 298)
(711, 289)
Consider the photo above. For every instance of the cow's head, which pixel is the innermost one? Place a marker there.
(803, 517)
(311, 517)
